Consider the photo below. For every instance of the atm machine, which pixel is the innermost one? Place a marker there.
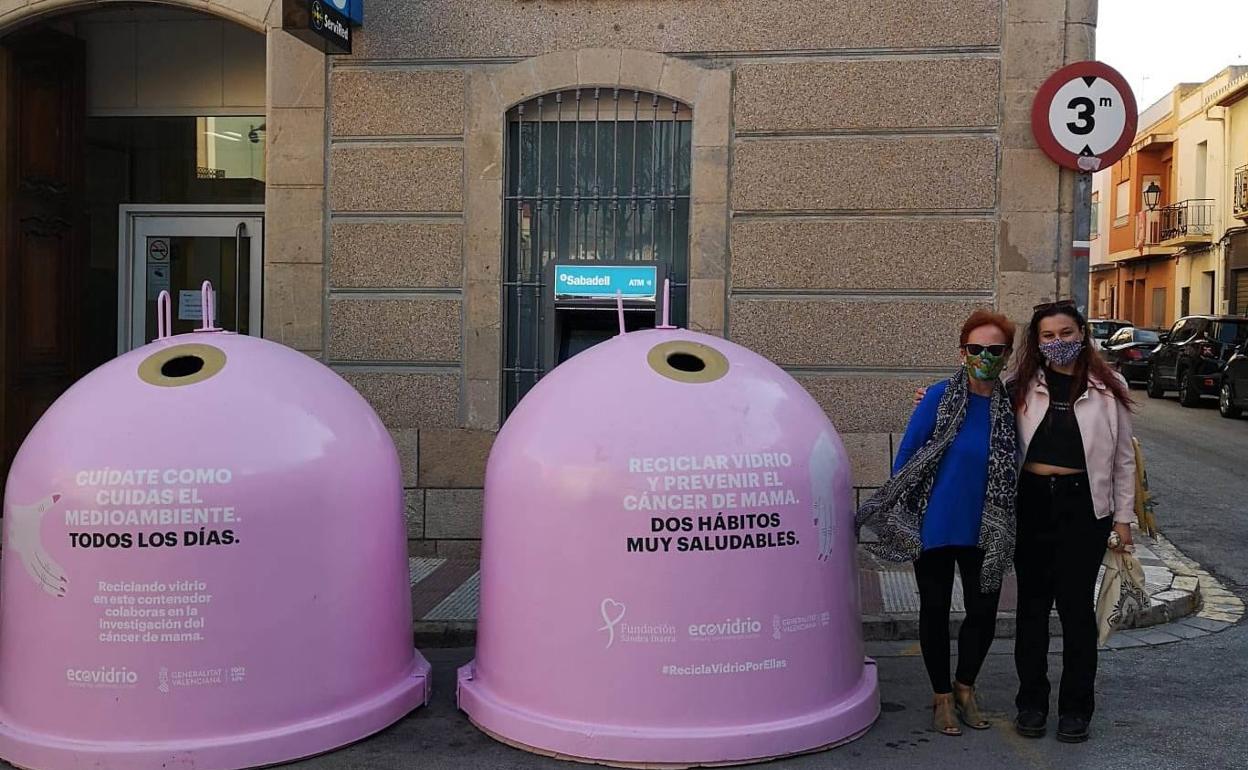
(580, 300)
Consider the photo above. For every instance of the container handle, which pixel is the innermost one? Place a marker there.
(238, 256)
(206, 308)
(164, 315)
(667, 298)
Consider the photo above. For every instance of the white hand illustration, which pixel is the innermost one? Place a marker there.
(24, 540)
(822, 476)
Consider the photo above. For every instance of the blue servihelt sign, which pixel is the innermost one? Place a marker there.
(352, 9)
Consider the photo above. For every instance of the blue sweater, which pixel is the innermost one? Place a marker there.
(957, 502)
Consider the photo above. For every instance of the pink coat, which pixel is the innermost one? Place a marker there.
(1105, 426)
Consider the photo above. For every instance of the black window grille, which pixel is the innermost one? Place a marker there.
(592, 174)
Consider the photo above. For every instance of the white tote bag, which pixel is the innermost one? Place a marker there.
(1122, 595)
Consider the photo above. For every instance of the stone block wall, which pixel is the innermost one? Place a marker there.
(864, 176)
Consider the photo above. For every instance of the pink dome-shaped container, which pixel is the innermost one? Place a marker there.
(204, 566)
(668, 563)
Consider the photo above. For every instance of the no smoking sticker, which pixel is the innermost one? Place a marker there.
(1085, 116)
(157, 250)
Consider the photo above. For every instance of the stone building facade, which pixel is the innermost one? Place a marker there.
(863, 174)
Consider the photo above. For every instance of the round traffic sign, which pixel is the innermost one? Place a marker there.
(1084, 116)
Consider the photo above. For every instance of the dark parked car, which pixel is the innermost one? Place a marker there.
(1193, 354)
(1128, 351)
(1233, 398)
(1104, 328)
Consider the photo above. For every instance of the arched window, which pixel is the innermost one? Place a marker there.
(592, 174)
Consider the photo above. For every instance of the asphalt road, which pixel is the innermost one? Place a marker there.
(1197, 465)
(1183, 705)
(1176, 706)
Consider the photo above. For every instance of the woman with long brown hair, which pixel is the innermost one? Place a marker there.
(1077, 483)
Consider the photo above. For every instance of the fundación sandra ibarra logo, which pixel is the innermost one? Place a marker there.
(616, 630)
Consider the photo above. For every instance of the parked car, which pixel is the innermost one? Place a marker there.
(1193, 355)
(1233, 396)
(1104, 328)
(1128, 351)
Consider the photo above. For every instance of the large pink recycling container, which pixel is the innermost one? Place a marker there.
(668, 563)
(204, 566)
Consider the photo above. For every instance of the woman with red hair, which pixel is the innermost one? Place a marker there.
(951, 501)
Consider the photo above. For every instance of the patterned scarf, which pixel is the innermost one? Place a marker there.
(895, 512)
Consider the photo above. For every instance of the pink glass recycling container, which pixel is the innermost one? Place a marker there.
(204, 566)
(668, 564)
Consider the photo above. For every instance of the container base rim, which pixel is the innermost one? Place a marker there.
(28, 749)
(671, 748)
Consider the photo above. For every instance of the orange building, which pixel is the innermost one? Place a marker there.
(1145, 274)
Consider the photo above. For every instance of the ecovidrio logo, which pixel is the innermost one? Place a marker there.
(102, 676)
(728, 628)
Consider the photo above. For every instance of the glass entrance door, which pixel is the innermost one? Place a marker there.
(176, 251)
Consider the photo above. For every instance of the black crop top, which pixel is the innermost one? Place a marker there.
(1058, 441)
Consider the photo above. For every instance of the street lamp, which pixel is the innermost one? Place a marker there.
(1152, 196)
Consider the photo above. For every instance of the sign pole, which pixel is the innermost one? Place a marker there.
(1084, 118)
(1079, 251)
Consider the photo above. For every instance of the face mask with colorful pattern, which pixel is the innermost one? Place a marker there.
(1061, 352)
(985, 366)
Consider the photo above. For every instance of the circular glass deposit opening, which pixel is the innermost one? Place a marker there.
(181, 365)
(686, 361)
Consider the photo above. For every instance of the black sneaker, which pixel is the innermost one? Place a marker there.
(1072, 729)
(1031, 723)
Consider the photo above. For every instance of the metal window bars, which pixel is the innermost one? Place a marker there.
(1241, 191)
(592, 174)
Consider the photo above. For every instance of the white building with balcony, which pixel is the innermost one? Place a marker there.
(1234, 102)
(1200, 222)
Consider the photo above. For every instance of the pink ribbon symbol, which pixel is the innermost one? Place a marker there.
(610, 608)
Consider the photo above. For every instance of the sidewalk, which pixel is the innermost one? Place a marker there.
(445, 599)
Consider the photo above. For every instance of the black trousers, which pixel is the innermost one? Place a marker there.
(933, 571)
(1060, 547)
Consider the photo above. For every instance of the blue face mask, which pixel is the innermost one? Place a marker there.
(1061, 352)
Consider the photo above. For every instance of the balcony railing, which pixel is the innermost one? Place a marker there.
(1147, 229)
(1189, 220)
(1241, 192)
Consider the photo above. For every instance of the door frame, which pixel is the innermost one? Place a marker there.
(131, 297)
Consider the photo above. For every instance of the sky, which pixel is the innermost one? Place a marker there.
(1157, 44)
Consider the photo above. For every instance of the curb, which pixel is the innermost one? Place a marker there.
(444, 633)
(1196, 604)
(891, 628)
(1183, 597)
(1193, 596)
